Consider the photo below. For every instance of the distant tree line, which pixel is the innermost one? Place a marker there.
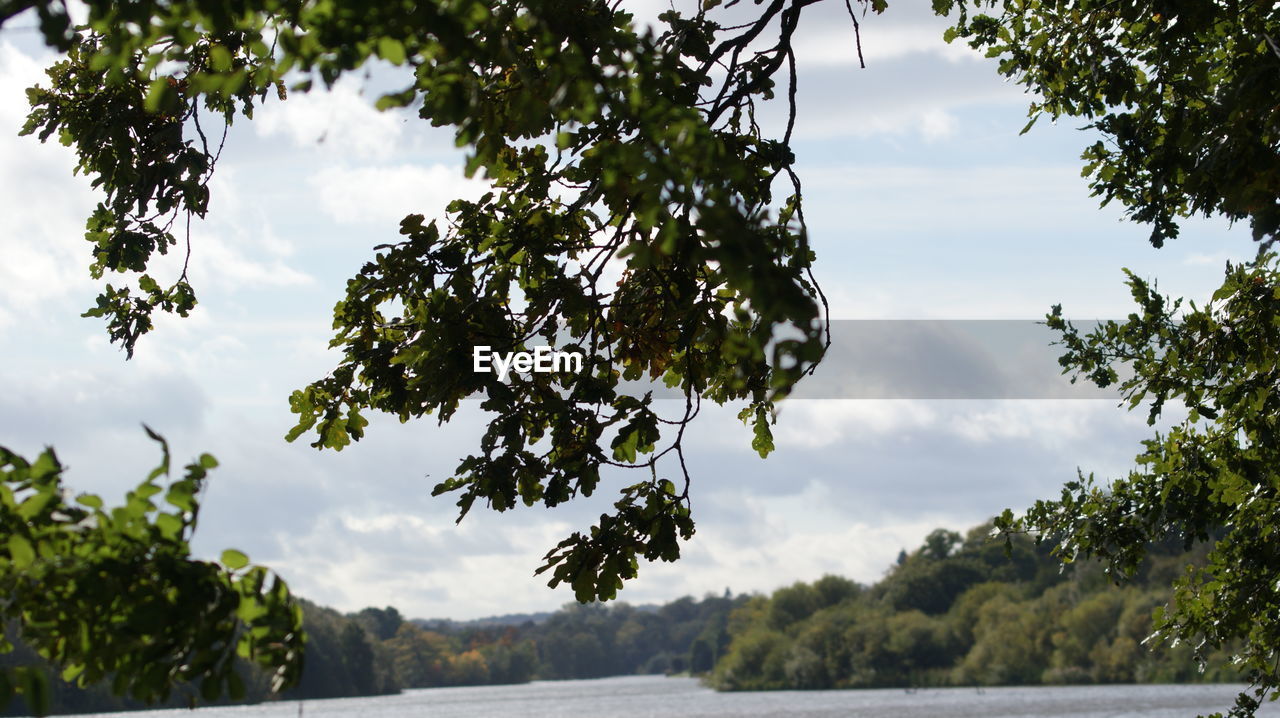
(341, 660)
(377, 651)
(578, 641)
(956, 611)
(961, 611)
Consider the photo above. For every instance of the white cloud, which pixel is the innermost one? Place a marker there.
(237, 245)
(92, 415)
(1212, 259)
(881, 42)
(43, 205)
(426, 568)
(228, 266)
(339, 120)
(819, 424)
(776, 540)
(903, 97)
(1049, 425)
(1053, 424)
(384, 195)
(896, 194)
(911, 87)
(826, 37)
(937, 125)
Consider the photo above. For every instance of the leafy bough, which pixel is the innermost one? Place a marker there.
(611, 150)
(113, 594)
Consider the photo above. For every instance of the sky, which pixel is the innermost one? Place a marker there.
(923, 203)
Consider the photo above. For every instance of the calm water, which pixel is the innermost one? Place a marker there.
(655, 696)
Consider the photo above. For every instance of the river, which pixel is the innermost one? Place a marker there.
(656, 696)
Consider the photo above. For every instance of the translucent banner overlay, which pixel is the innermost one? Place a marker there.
(933, 359)
(945, 359)
(937, 359)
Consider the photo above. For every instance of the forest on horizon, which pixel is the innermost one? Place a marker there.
(957, 611)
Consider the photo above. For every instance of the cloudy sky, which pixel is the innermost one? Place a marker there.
(923, 202)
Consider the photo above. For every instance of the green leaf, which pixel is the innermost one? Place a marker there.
(158, 95)
(20, 551)
(219, 58)
(234, 559)
(92, 501)
(624, 446)
(391, 50)
(762, 441)
(170, 526)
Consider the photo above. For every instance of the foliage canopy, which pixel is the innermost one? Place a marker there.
(610, 149)
(1186, 97)
(1212, 476)
(1184, 94)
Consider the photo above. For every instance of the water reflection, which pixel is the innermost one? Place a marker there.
(655, 696)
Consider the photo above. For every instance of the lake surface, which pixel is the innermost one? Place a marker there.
(659, 697)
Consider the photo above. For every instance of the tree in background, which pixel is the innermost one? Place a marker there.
(1026, 620)
(381, 623)
(1185, 97)
(420, 658)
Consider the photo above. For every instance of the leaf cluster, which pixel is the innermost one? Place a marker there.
(1212, 475)
(633, 220)
(112, 594)
(1184, 94)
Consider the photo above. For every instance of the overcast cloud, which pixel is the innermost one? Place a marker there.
(923, 202)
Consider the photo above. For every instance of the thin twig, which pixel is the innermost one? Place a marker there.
(857, 33)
